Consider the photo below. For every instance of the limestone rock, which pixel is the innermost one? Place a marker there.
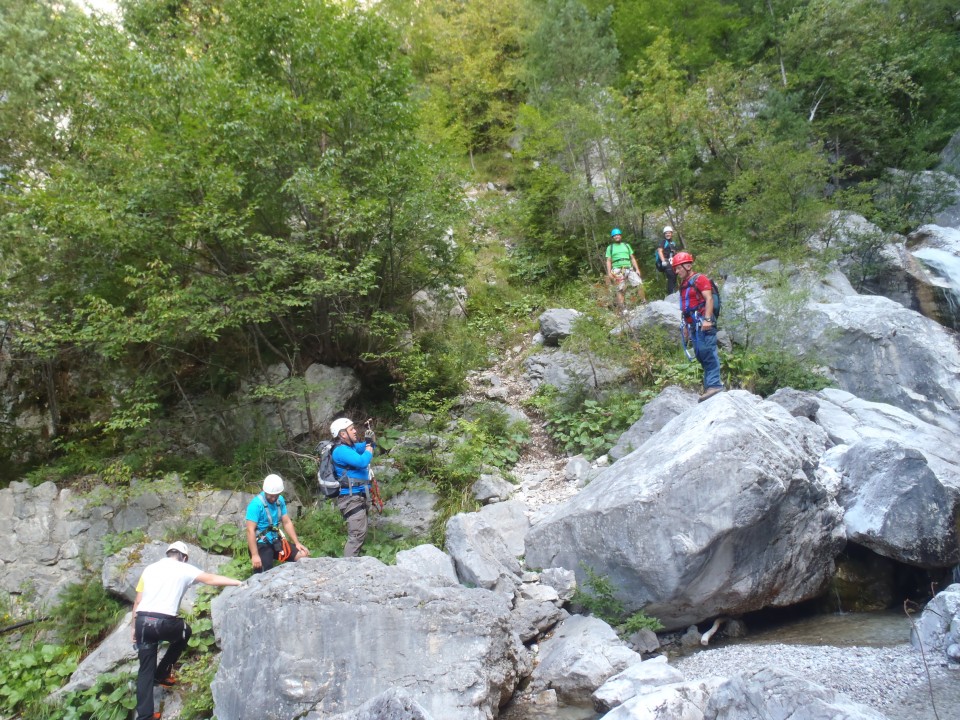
(638, 679)
(582, 654)
(771, 694)
(895, 504)
(329, 635)
(708, 518)
(557, 324)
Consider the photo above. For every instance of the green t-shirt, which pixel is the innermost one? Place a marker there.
(619, 254)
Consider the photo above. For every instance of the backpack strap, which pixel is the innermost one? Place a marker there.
(691, 284)
(274, 526)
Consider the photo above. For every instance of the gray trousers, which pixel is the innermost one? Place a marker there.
(354, 511)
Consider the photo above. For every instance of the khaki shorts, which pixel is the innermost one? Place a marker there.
(624, 276)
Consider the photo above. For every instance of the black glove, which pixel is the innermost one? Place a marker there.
(369, 437)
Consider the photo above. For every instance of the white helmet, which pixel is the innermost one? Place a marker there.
(273, 484)
(179, 547)
(339, 425)
(667, 229)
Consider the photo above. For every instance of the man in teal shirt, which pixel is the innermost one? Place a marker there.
(622, 268)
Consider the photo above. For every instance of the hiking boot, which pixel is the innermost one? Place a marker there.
(168, 682)
(709, 393)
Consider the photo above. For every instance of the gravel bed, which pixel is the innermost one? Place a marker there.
(891, 680)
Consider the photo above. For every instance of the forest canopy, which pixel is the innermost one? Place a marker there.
(193, 189)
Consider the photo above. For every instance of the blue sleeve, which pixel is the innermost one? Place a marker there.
(282, 504)
(253, 510)
(356, 457)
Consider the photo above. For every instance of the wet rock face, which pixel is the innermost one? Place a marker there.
(720, 513)
(326, 635)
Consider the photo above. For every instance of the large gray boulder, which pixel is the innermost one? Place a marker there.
(481, 554)
(114, 654)
(327, 635)
(581, 655)
(429, 561)
(848, 419)
(394, 704)
(720, 513)
(673, 401)
(895, 504)
(771, 694)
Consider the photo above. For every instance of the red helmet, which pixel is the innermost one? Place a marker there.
(681, 258)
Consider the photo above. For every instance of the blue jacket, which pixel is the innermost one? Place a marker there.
(354, 460)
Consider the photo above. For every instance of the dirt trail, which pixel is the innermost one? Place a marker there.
(540, 468)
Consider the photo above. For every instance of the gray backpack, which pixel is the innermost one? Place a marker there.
(326, 472)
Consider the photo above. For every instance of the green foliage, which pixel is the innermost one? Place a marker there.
(31, 672)
(763, 370)
(115, 542)
(579, 424)
(229, 193)
(221, 538)
(640, 621)
(597, 595)
(85, 614)
(112, 697)
(323, 531)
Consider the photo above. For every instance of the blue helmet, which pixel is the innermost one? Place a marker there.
(615, 232)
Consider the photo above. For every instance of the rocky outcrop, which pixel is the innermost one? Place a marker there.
(566, 370)
(870, 346)
(638, 679)
(895, 504)
(711, 516)
(328, 635)
(394, 704)
(296, 405)
(678, 701)
(55, 535)
(937, 631)
(481, 553)
(582, 654)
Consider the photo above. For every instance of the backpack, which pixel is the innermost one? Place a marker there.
(326, 473)
(717, 303)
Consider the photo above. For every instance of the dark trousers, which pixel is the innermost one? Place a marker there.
(150, 632)
(671, 276)
(268, 555)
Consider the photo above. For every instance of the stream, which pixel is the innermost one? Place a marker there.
(887, 629)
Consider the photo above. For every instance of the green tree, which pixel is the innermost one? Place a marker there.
(239, 183)
(570, 166)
